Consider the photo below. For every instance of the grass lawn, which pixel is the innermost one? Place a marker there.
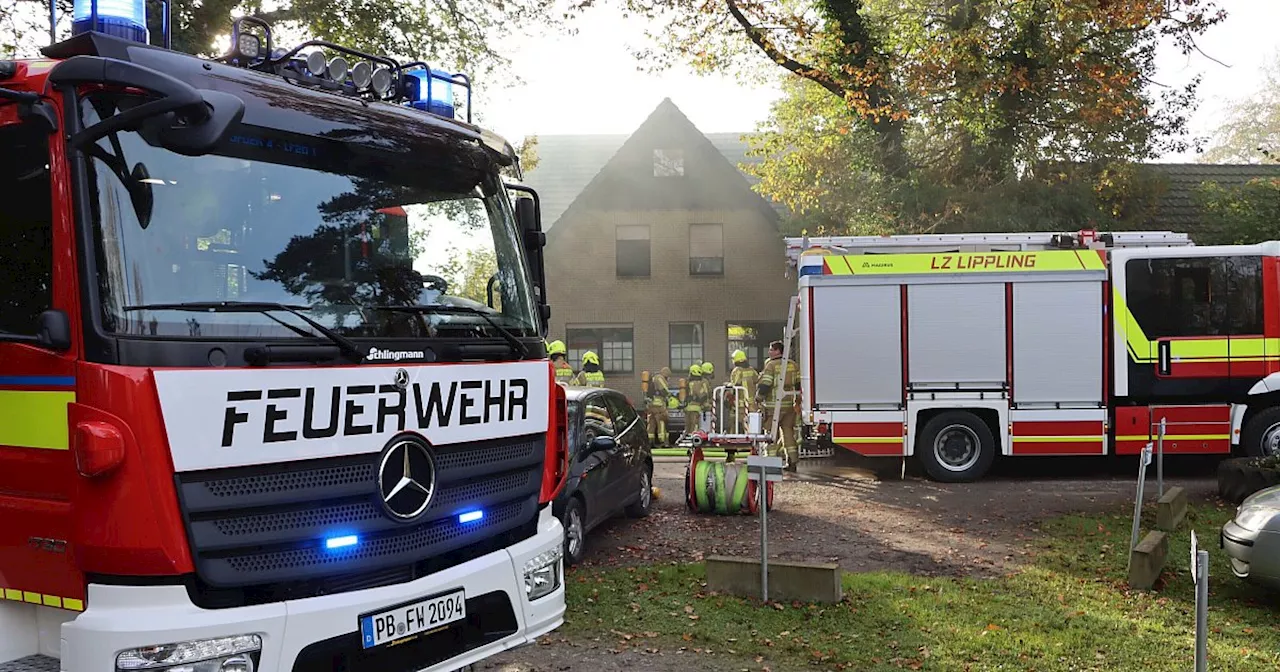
(1070, 609)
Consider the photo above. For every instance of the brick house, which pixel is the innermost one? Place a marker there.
(665, 256)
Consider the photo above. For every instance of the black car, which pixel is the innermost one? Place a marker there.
(610, 466)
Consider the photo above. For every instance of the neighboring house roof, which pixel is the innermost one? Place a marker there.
(1176, 208)
(568, 163)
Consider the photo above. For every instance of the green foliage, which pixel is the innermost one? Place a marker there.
(923, 115)
(1069, 608)
(1250, 131)
(468, 272)
(1248, 213)
(461, 34)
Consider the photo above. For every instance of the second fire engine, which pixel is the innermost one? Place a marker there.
(955, 349)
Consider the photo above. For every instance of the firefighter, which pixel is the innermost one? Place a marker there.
(564, 372)
(590, 375)
(745, 377)
(709, 411)
(697, 397)
(659, 393)
(779, 379)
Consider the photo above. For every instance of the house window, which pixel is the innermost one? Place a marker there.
(668, 163)
(632, 244)
(706, 249)
(686, 345)
(614, 344)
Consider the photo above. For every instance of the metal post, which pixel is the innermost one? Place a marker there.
(764, 538)
(53, 21)
(1202, 611)
(1137, 502)
(1160, 460)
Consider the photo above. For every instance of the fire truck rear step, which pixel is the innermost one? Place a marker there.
(31, 664)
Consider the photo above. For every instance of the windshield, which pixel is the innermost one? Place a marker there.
(340, 230)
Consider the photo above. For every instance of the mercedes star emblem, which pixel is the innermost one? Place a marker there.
(406, 478)
(401, 379)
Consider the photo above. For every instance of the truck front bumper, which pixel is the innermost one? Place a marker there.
(322, 633)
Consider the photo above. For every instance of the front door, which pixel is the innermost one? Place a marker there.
(601, 465)
(37, 472)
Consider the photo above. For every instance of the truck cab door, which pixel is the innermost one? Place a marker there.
(37, 370)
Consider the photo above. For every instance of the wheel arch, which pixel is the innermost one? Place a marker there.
(993, 413)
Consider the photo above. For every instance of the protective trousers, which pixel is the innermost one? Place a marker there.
(658, 425)
(786, 427)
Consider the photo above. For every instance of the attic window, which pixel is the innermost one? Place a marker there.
(668, 163)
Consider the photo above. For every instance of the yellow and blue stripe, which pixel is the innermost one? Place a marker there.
(33, 411)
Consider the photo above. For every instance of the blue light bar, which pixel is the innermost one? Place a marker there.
(470, 516)
(341, 542)
(125, 19)
(431, 91)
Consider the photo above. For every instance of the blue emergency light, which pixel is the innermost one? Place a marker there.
(431, 91)
(346, 541)
(470, 516)
(125, 19)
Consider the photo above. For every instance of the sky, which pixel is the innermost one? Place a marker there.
(616, 97)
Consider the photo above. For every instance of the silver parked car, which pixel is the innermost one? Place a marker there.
(1252, 538)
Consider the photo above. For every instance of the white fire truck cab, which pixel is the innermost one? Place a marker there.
(957, 348)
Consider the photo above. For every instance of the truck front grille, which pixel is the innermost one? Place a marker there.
(261, 530)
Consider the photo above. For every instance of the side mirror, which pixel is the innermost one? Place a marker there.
(602, 443)
(55, 330)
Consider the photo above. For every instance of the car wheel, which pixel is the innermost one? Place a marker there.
(1261, 435)
(575, 532)
(641, 507)
(956, 447)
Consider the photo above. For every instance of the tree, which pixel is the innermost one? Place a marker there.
(937, 104)
(468, 273)
(462, 34)
(1250, 132)
(1249, 213)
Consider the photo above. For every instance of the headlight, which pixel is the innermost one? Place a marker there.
(542, 574)
(1252, 518)
(224, 654)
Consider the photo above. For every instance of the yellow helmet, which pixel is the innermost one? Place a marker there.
(739, 356)
(590, 357)
(556, 348)
(695, 370)
(708, 369)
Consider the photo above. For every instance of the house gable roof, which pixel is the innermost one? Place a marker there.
(1176, 207)
(615, 171)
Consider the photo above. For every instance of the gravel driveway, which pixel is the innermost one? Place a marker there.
(864, 516)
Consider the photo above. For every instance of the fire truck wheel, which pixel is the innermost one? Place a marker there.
(1261, 435)
(956, 447)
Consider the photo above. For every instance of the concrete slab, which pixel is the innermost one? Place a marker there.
(1147, 560)
(1171, 509)
(803, 581)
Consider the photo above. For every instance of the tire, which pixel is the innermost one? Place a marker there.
(642, 506)
(575, 532)
(956, 447)
(1261, 435)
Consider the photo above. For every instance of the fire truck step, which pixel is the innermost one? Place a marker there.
(31, 664)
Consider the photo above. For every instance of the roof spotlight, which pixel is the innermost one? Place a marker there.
(361, 75)
(249, 45)
(316, 63)
(338, 69)
(381, 81)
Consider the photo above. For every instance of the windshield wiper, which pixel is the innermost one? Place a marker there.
(428, 308)
(345, 345)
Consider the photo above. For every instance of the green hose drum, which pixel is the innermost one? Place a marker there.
(718, 487)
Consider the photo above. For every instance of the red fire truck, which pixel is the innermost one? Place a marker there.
(956, 349)
(245, 423)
